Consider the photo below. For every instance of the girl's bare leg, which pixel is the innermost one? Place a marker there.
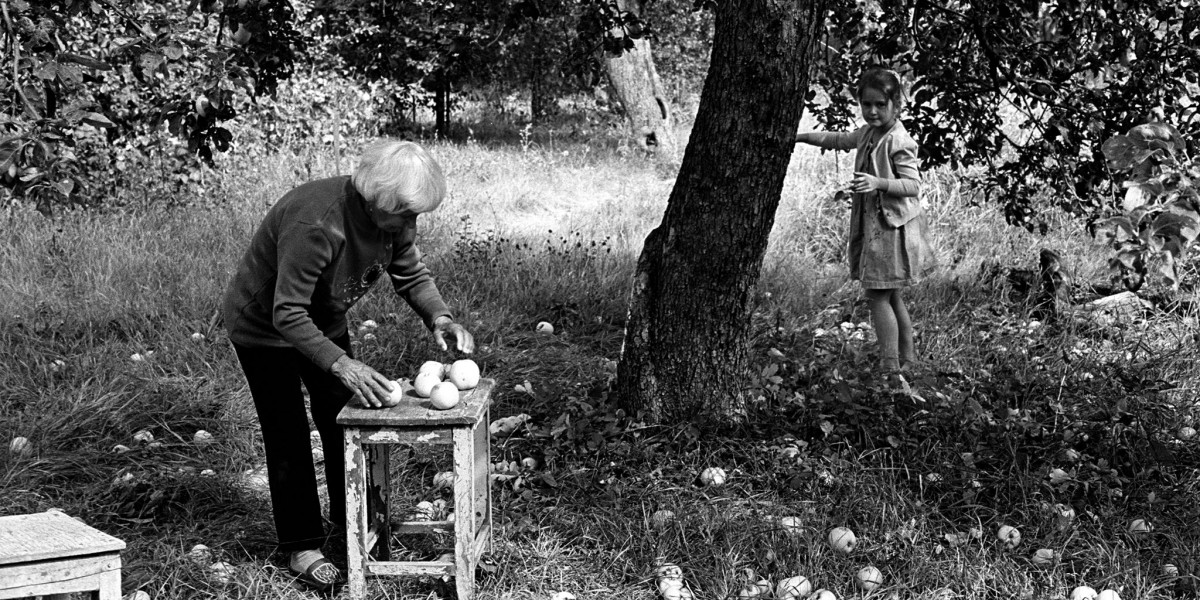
(904, 329)
(886, 328)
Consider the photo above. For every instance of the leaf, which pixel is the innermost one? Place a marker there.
(70, 75)
(46, 71)
(1119, 151)
(98, 120)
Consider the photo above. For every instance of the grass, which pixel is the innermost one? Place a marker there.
(549, 229)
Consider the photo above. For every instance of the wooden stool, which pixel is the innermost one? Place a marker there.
(47, 554)
(368, 431)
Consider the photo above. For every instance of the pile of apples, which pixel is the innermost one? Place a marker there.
(440, 382)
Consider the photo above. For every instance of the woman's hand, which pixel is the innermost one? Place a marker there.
(368, 386)
(865, 183)
(464, 341)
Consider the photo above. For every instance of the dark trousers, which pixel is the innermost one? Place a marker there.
(274, 376)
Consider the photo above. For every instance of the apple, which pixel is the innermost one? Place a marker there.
(395, 394)
(202, 437)
(1010, 536)
(464, 374)
(202, 106)
(529, 462)
(869, 578)
(713, 476)
(200, 553)
(143, 436)
(20, 446)
(1170, 570)
(424, 511)
(1140, 526)
(792, 525)
(222, 572)
(669, 571)
(424, 382)
(433, 366)
(562, 596)
(1083, 592)
(444, 396)
(1044, 556)
(445, 479)
(790, 588)
(823, 594)
(1108, 595)
(545, 328)
(120, 449)
(1186, 433)
(138, 595)
(1058, 476)
(842, 540)
(661, 518)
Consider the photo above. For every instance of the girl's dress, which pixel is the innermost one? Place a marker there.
(889, 235)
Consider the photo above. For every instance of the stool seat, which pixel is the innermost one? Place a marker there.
(51, 553)
(367, 434)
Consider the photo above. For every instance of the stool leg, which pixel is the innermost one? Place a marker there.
(110, 584)
(378, 501)
(483, 488)
(356, 513)
(464, 512)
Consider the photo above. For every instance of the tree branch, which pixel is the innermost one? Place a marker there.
(12, 33)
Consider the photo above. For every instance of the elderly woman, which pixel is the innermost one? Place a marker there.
(317, 251)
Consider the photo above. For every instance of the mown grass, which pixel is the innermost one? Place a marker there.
(550, 230)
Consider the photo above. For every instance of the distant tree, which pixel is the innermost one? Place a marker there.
(84, 74)
(686, 339)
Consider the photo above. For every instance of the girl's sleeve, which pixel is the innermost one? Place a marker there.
(835, 140)
(907, 169)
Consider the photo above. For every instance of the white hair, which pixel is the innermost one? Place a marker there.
(395, 176)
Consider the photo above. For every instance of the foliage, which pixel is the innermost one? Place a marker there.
(1072, 73)
(94, 80)
(1162, 204)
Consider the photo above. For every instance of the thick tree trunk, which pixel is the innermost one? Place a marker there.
(641, 94)
(684, 355)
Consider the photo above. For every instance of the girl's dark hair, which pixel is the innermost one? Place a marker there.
(884, 80)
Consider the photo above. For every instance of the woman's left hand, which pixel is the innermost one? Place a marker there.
(464, 341)
(864, 183)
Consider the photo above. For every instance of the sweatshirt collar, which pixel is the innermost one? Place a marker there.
(356, 207)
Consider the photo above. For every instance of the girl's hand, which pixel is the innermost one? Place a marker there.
(864, 183)
(370, 388)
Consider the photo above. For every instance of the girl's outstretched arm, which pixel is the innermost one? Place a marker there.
(830, 140)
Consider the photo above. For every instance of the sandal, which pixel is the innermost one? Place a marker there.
(321, 574)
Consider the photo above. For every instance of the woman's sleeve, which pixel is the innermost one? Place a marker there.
(907, 169)
(412, 280)
(303, 253)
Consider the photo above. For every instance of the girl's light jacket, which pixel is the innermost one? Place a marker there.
(895, 160)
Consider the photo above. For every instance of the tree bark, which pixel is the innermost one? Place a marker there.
(684, 353)
(640, 92)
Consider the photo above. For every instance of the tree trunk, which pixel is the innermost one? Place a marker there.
(684, 354)
(640, 92)
(441, 107)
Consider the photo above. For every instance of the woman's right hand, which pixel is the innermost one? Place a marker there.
(369, 387)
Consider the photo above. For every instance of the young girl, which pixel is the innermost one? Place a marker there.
(888, 246)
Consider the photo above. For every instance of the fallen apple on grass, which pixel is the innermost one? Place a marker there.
(444, 396)
(713, 477)
(1140, 526)
(1108, 595)
(842, 540)
(1186, 433)
(791, 525)
(661, 518)
(869, 579)
(444, 479)
(1010, 536)
(1044, 557)
(20, 446)
(823, 594)
(1083, 592)
(1170, 570)
(793, 588)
